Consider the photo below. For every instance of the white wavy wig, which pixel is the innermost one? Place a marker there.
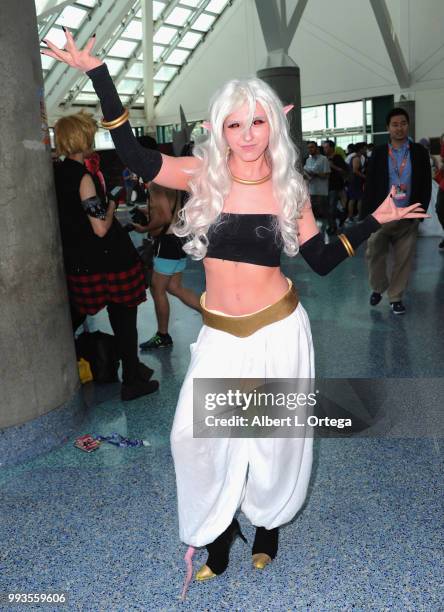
(210, 184)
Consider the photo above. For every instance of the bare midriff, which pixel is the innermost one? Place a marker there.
(237, 288)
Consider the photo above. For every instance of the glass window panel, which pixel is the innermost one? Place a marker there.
(158, 87)
(136, 71)
(193, 3)
(71, 17)
(125, 99)
(127, 86)
(157, 9)
(164, 35)
(178, 16)
(178, 56)
(165, 73)
(103, 140)
(114, 65)
(313, 118)
(122, 48)
(47, 62)
(331, 116)
(203, 22)
(157, 52)
(349, 114)
(88, 3)
(190, 40)
(140, 100)
(133, 30)
(56, 36)
(86, 97)
(216, 6)
(88, 87)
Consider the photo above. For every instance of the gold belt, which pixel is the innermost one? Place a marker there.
(245, 325)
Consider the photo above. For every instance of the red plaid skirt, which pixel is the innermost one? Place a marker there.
(91, 292)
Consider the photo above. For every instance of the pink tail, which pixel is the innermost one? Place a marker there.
(188, 560)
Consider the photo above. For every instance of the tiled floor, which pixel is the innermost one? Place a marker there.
(103, 527)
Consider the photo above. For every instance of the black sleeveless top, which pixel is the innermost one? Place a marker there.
(247, 238)
(83, 251)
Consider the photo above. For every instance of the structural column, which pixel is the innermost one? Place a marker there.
(286, 82)
(38, 371)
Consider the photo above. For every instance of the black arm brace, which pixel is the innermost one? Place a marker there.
(322, 258)
(143, 162)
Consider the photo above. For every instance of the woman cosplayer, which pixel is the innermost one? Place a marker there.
(248, 203)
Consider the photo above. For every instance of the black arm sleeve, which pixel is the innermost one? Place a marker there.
(143, 162)
(323, 258)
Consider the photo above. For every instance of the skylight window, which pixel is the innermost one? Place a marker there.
(157, 52)
(157, 9)
(114, 65)
(216, 6)
(57, 36)
(88, 3)
(133, 30)
(190, 40)
(178, 56)
(136, 71)
(71, 17)
(159, 86)
(123, 48)
(47, 62)
(165, 73)
(165, 35)
(204, 22)
(192, 3)
(127, 86)
(178, 16)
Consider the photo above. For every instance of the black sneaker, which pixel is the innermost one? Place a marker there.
(441, 245)
(375, 298)
(397, 307)
(138, 388)
(157, 341)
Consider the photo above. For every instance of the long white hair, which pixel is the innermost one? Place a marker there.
(210, 184)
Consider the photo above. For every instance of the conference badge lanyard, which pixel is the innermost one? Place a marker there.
(401, 188)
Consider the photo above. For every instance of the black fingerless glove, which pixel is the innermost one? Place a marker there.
(323, 258)
(143, 162)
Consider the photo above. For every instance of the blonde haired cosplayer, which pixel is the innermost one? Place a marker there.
(211, 183)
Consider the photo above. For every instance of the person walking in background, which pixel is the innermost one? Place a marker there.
(357, 163)
(338, 171)
(406, 165)
(169, 261)
(316, 172)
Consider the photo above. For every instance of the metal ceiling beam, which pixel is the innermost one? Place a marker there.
(103, 19)
(391, 42)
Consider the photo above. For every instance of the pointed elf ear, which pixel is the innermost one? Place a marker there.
(288, 108)
(206, 125)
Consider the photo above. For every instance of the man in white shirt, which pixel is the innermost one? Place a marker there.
(316, 172)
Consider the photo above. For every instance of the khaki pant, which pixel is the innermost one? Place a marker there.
(401, 235)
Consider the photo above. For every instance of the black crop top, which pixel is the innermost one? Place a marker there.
(247, 238)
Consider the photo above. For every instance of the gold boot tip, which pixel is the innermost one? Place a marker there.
(205, 573)
(260, 560)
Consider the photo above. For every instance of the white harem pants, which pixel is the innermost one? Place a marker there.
(266, 477)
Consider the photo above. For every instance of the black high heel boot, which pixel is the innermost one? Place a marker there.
(265, 546)
(219, 551)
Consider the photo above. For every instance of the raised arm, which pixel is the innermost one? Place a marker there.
(323, 258)
(168, 171)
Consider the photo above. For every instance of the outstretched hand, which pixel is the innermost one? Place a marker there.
(71, 55)
(388, 211)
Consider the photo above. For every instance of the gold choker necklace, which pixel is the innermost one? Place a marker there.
(236, 179)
